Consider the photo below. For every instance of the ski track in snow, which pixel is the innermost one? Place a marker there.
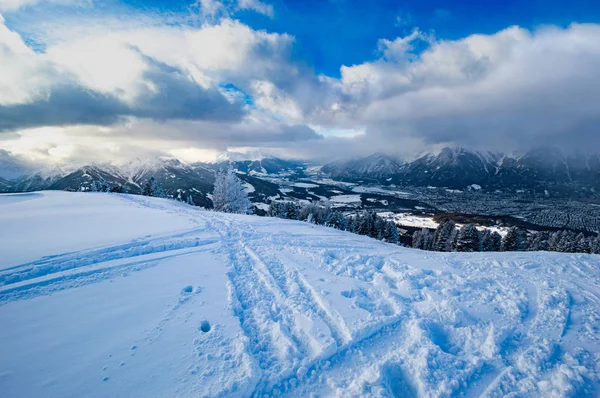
(330, 314)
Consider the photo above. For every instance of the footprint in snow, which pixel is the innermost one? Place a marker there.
(205, 326)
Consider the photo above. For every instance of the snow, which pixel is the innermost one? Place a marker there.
(410, 220)
(345, 199)
(304, 185)
(377, 190)
(262, 206)
(116, 295)
(249, 187)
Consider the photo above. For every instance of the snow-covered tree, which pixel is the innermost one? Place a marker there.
(515, 240)
(99, 186)
(427, 239)
(595, 246)
(554, 241)
(467, 239)
(336, 220)
(417, 239)
(491, 241)
(539, 241)
(443, 236)
(153, 188)
(230, 195)
(582, 245)
(390, 232)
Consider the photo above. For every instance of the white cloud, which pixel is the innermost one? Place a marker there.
(256, 5)
(269, 97)
(503, 90)
(24, 75)
(181, 88)
(14, 5)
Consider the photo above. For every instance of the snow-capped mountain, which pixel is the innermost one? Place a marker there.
(453, 167)
(457, 167)
(178, 179)
(264, 166)
(374, 166)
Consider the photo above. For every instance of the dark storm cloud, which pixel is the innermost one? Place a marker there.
(174, 96)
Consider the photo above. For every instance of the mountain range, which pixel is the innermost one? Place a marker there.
(539, 170)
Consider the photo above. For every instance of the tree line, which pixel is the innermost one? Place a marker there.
(447, 237)
(321, 213)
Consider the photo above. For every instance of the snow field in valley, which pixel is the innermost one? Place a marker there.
(117, 295)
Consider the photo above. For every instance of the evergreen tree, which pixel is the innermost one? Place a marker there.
(490, 241)
(427, 239)
(99, 186)
(539, 241)
(274, 209)
(230, 195)
(443, 236)
(451, 247)
(290, 211)
(153, 188)
(515, 240)
(467, 239)
(117, 189)
(595, 246)
(336, 220)
(581, 244)
(567, 243)
(484, 241)
(379, 227)
(417, 239)
(554, 241)
(390, 232)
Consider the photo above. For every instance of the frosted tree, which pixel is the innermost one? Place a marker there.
(554, 241)
(582, 244)
(379, 227)
(443, 236)
(336, 220)
(390, 232)
(515, 240)
(423, 239)
(491, 241)
(539, 242)
(467, 239)
(290, 211)
(567, 243)
(274, 209)
(153, 188)
(230, 195)
(427, 239)
(99, 186)
(595, 246)
(417, 239)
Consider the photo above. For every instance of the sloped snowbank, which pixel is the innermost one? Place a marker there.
(116, 295)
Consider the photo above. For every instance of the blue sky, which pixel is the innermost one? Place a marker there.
(88, 80)
(331, 33)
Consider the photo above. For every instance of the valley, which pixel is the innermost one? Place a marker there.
(541, 190)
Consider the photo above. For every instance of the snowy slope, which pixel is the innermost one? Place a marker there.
(114, 295)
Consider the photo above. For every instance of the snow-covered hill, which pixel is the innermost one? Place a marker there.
(117, 295)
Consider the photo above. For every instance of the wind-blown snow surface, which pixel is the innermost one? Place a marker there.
(115, 295)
